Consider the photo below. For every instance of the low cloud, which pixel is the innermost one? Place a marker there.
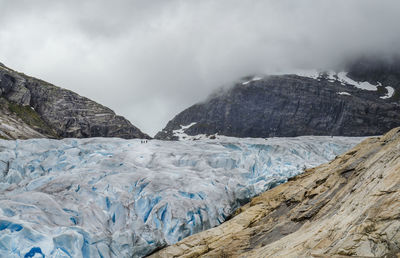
(148, 60)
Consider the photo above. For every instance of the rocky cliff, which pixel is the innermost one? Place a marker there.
(348, 207)
(31, 108)
(362, 101)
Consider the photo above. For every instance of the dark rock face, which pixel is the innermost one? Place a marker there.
(65, 112)
(291, 105)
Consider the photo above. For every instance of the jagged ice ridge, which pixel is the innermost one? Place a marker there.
(108, 197)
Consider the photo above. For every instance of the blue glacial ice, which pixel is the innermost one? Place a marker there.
(120, 198)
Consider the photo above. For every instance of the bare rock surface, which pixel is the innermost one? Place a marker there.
(348, 207)
(54, 112)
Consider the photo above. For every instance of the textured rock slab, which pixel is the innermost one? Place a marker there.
(347, 207)
(63, 112)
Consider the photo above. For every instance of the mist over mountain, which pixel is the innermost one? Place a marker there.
(150, 60)
(361, 100)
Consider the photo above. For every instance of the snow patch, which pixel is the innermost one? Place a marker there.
(309, 73)
(344, 93)
(255, 78)
(331, 76)
(314, 74)
(342, 76)
(390, 92)
(180, 133)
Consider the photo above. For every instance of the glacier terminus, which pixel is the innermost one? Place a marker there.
(109, 197)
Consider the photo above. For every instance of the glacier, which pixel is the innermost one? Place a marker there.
(109, 197)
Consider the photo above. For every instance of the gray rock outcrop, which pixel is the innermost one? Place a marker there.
(55, 112)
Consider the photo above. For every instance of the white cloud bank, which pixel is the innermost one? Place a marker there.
(148, 60)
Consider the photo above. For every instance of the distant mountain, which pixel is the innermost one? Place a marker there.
(362, 100)
(32, 108)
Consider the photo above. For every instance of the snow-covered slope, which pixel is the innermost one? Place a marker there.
(343, 78)
(117, 198)
(332, 76)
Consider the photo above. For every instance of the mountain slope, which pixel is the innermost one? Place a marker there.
(349, 206)
(31, 108)
(363, 101)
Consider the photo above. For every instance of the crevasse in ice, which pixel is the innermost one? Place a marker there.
(120, 198)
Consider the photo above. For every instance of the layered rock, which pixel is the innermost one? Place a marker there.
(21, 122)
(348, 207)
(363, 101)
(50, 111)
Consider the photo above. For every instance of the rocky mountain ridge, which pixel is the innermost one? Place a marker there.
(347, 207)
(360, 102)
(31, 108)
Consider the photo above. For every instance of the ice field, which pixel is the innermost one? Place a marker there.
(103, 197)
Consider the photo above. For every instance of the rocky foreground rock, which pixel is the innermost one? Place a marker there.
(32, 108)
(348, 207)
(362, 101)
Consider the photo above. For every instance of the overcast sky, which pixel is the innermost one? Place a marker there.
(150, 59)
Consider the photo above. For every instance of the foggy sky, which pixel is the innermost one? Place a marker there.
(150, 59)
